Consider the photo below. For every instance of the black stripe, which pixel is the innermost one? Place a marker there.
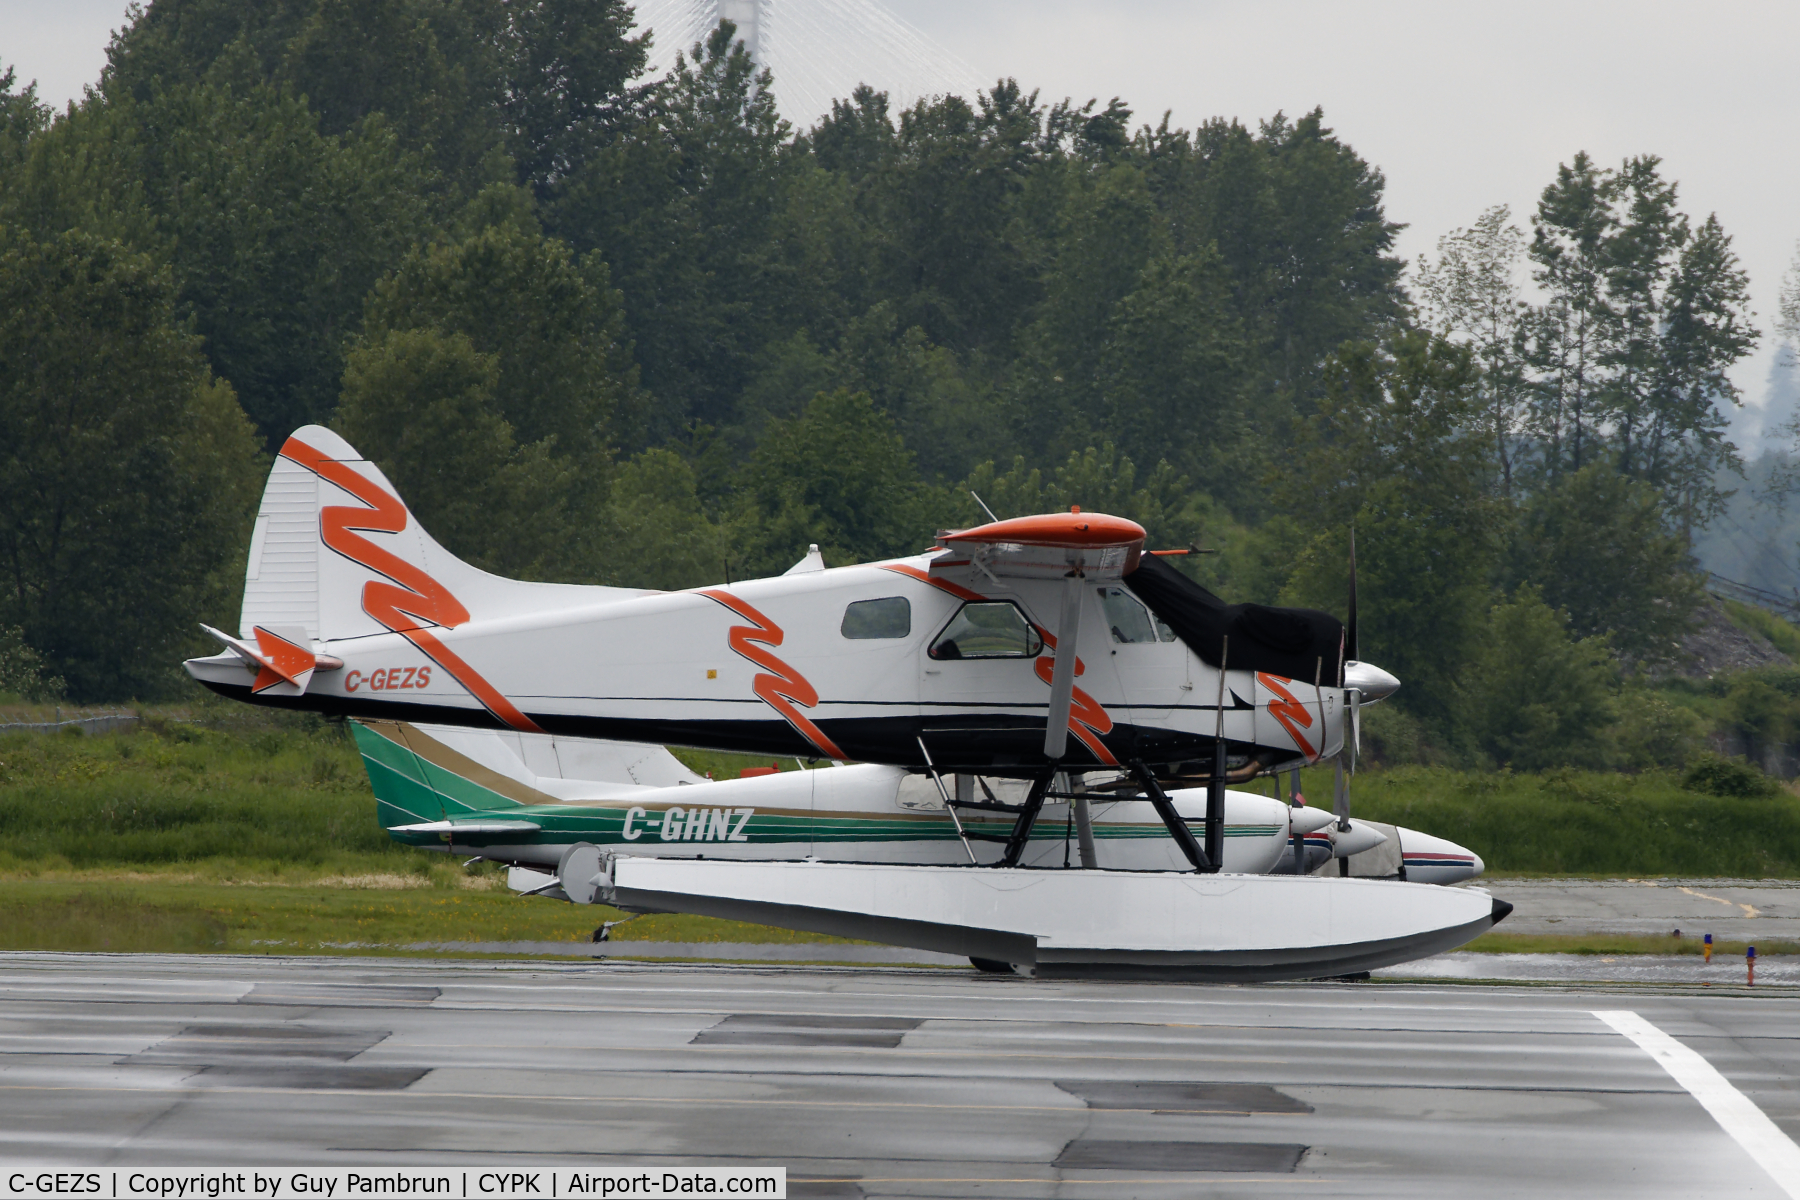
(993, 743)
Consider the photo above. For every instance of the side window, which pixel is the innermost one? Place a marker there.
(889, 617)
(1129, 620)
(988, 629)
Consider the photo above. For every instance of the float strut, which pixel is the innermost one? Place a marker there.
(1165, 808)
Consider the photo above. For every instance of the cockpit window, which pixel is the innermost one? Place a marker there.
(1129, 620)
(988, 629)
(889, 617)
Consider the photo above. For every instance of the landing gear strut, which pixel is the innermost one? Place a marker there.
(604, 933)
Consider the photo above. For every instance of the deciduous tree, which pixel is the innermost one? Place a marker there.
(1471, 294)
(128, 474)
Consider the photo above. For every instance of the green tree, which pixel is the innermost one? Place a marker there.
(128, 474)
(1540, 697)
(1705, 331)
(551, 322)
(955, 250)
(1645, 318)
(423, 405)
(568, 67)
(1569, 232)
(433, 69)
(944, 416)
(659, 533)
(21, 118)
(682, 207)
(1637, 257)
(274, 232)
(1173, 374)
(1471, 294)
(23, 673)
(1655, 734)
(837, 475)
(1394, 454)
(1299, 220)
(1596, 545)
(490, 90)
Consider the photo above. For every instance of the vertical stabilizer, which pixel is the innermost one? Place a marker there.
(337, 553)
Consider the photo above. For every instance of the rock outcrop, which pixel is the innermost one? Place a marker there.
(1717, 646)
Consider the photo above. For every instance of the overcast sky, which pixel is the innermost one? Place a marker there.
(1461, 105)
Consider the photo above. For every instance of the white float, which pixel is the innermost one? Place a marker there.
(1077, 923)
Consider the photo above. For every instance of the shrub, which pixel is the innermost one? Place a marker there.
(1654, 734)
(1717, 776)
(22, 669)
(1540, 697)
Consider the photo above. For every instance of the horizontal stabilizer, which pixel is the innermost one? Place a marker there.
(283, 658)
(461, 827)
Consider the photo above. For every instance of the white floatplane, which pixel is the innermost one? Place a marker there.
(959, 661)
(522, 798)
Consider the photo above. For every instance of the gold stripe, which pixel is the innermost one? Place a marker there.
(428, 748)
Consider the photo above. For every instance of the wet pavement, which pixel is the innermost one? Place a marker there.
(867, 1082)
(1670, 969)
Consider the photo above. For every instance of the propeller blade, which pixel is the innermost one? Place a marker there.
(1350, 648)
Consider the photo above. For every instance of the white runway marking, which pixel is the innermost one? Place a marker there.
(1736, 1114)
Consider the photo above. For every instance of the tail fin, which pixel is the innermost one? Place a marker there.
(416, 778)
(336, 552)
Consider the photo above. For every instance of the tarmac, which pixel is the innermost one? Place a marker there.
(879, 1081)
(1740, 909)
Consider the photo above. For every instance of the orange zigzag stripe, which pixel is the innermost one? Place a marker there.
(782, 684)
(1288, 711)
(418, 596)
(1087, 718)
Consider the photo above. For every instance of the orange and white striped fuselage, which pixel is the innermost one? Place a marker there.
(884, 662)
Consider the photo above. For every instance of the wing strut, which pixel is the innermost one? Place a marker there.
(1062, 676)
(1215, 787)
(1346, 759)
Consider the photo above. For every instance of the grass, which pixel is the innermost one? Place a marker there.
(1608, 944)
(280, 798)
(723, 764)
(1582, 823)
(271, 800)
(245, 919)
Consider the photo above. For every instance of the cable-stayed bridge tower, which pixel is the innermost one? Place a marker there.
(818, 50)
